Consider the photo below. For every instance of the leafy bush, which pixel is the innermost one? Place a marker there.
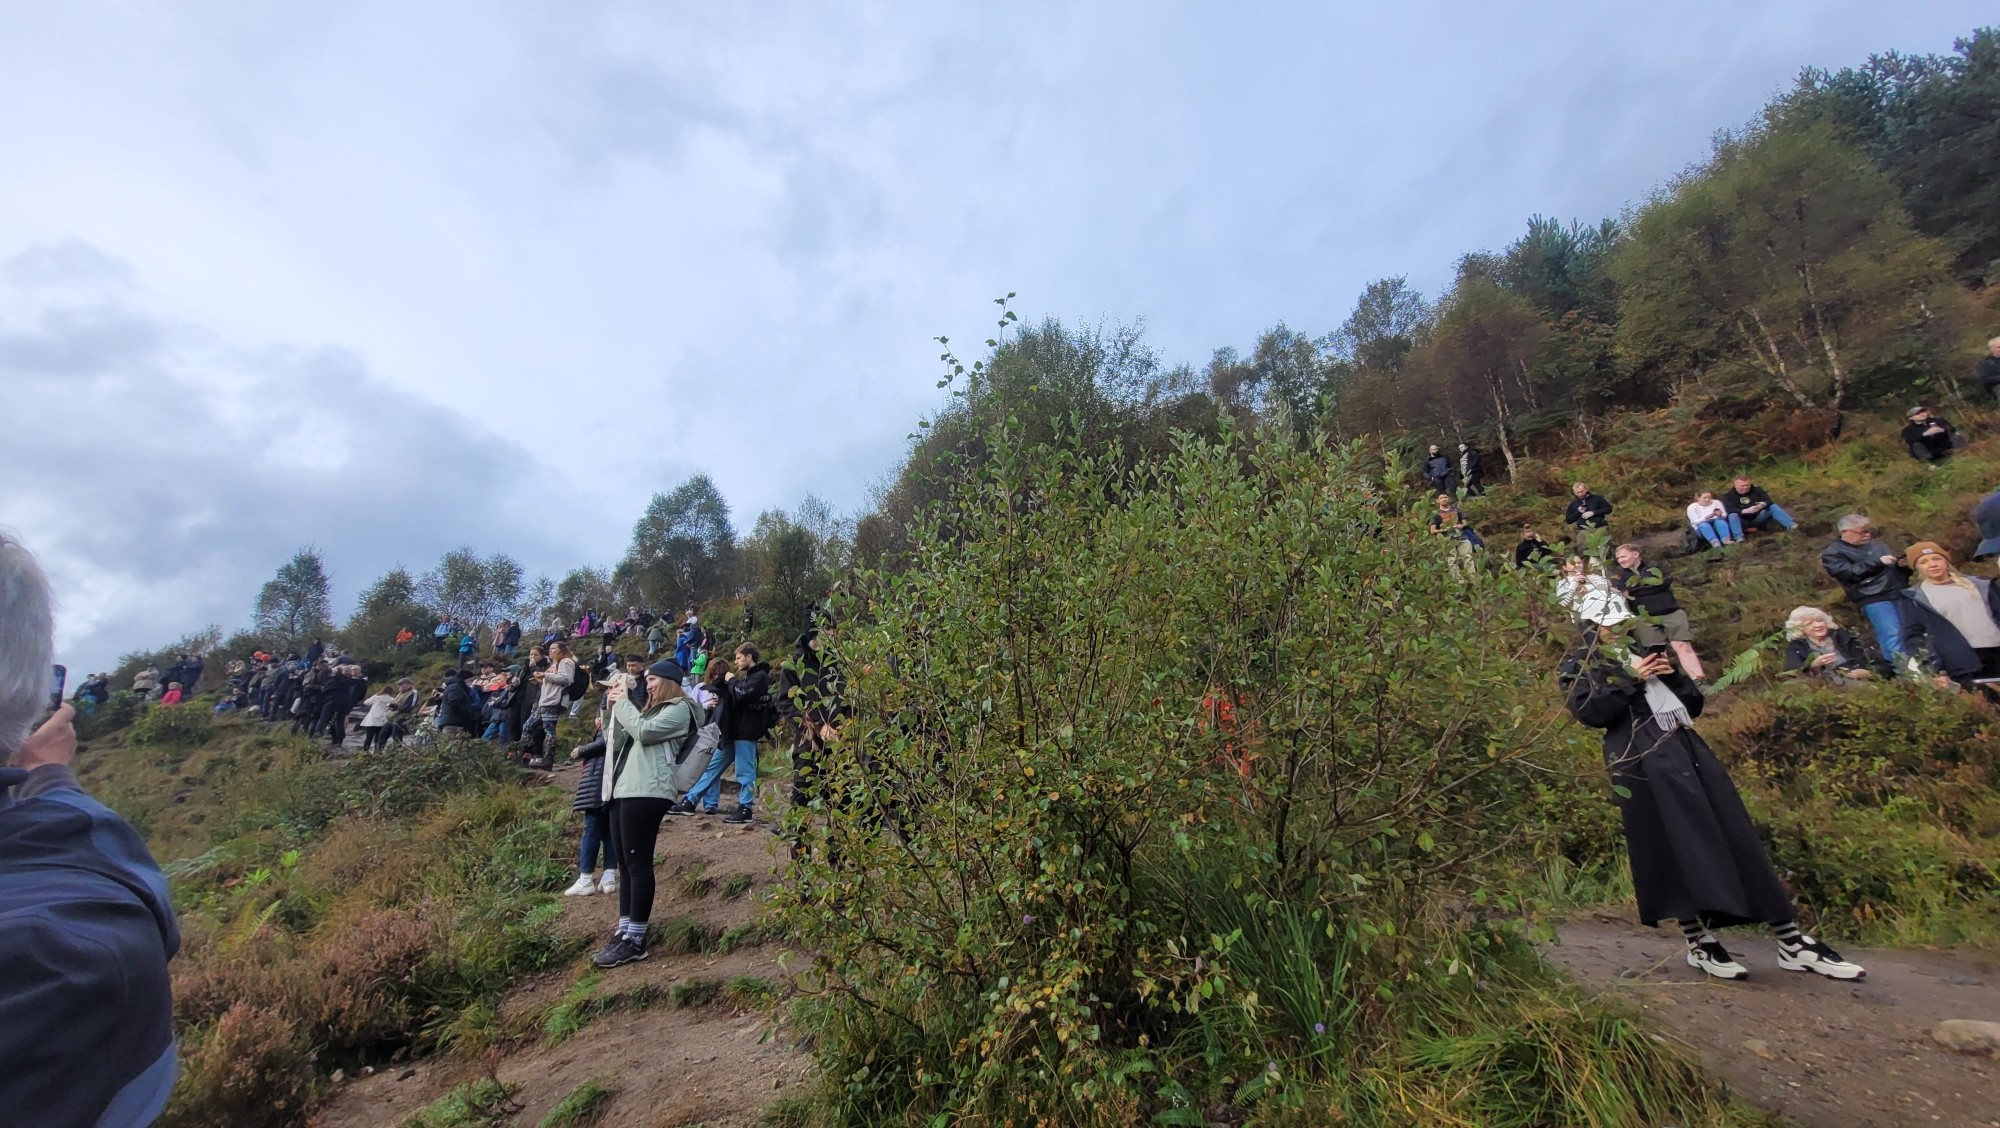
(177, 726)
(1086, 895)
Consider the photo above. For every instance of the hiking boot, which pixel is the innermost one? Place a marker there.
(620, 951)
(540, 763)
(741, 816)
(1710, 956)
(684, 807)
(584, 887)
(610, 882)
(1811, 955)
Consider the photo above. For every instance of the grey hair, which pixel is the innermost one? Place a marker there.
(1795, 623)
(27, 641)
(1854, 521)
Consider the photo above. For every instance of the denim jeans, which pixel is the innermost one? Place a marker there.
(1716, 530)
(1770, 513)
(1887, 621)
(596, 841)
(708, 789)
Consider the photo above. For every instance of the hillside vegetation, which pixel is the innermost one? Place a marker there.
(1046, 879)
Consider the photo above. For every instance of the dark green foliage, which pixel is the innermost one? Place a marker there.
(684, 935)
(683, 550)
(485, 1103)
(294, 605)
(1927, 121)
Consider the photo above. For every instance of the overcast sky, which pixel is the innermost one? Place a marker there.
(393, 277)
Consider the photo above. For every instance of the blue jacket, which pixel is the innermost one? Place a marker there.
(86, 930)
(1930, 640)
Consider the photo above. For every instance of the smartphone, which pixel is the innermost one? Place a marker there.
(1657, 651)
(56, 690)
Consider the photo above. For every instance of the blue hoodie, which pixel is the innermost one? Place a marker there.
(86, 930)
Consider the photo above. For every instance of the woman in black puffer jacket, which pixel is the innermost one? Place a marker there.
(598, 836)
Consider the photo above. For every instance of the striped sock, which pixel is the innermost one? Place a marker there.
(1788, 934)
(634, 931)
(1693, 931)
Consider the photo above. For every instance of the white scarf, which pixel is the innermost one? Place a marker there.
(1668, 711)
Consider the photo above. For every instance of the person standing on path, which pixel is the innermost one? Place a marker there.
(1694, 854)
(1872, 575)
(1470, 471)
(639, 786)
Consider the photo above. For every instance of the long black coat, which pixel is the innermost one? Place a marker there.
(1694, 853)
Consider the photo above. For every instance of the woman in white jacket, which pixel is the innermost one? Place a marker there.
(1713, 521)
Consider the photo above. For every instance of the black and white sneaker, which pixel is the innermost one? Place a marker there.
(684, 807)
(738, 817)
(1711, 957)
(619, 951)
(1811, 955)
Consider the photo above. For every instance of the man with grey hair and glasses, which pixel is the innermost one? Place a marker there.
(86, 928)
(1872, 574)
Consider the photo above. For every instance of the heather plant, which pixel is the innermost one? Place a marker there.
(1166, 787)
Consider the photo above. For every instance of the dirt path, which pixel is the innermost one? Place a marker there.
(713, 1065)
(1821, 1053)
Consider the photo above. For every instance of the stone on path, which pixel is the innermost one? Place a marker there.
(1968, 1036)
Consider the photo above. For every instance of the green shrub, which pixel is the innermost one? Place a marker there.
(485, 1103)
(1085, 895)
(172, 726)
(690, 993)
(582, 1106)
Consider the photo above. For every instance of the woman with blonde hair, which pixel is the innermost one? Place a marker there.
(1951, 621)
(1820, 648)
(639, 787)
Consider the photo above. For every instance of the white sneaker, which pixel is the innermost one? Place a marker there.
(1710, 956)
(610, 882)
(584, 887)
(1811, 955)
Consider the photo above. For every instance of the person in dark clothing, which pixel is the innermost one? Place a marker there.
(457, 710)
(1754, 507)
(599, 843)
(1534, 552)
(1650, 589)
(1443, 477)
(1951, 621)
(1989, 369)
(86, 923)
(1470, 470)
(1818, 648)
(747, 717)
(812, 697)
(1871, 573)
(314, 652)
(1930, 439)
(1694, 854)
(1587, 510)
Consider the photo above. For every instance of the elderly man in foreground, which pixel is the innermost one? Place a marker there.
(86, 1016)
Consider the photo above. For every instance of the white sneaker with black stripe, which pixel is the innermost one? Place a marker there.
(1811, 955)
(1708, 955)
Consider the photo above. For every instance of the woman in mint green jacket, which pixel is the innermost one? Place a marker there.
(639, 785)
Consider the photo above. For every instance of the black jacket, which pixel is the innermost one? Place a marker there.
(1930, 637)
(1989, 372)
(1861, 573)
(1468, 462)
(747, 716)
(1734, 502)
(1532, 552)
(1928, 447)
(1800, 651)
(1600, 509)
(1438, 469)
(1650, 587)
(1693, 850)
(457, 709)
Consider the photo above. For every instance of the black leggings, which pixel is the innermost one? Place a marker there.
(636, 829)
